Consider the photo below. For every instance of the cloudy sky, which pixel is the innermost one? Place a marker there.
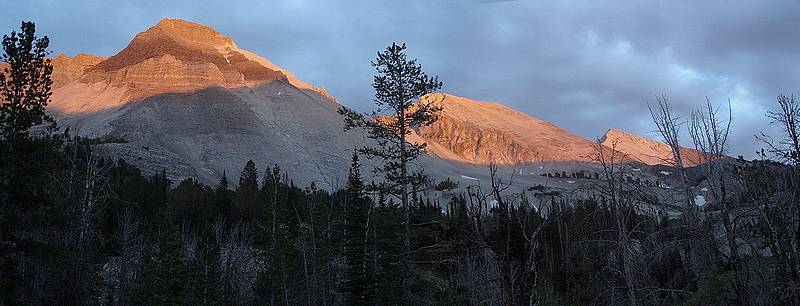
(586, 66)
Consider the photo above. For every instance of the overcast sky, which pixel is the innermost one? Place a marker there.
(584, 65)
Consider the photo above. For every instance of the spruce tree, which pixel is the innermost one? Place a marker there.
(249, 178)
(25, 83)
(268, 280)
(355, 284)
(165, 278)
(25, 168)
(248, 206)
(222, 198)
(400, 87)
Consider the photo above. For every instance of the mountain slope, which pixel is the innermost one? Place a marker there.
(187, 98)
(182, 96)
(67, 69)
(482, 132)
(647, 151)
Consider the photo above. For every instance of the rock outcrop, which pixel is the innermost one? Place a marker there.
(67, 69)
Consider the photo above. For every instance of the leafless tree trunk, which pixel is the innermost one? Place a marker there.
(612, 162)
(92, 185)
(479, 210)
(669, 125)
(544, 213)
(239, 264)
(127, 234)
(710, 135)
(784, 219)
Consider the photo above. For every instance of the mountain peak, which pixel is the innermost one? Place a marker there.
(190, 32)
(613, 133)
(182, 40)
(172, 56)
(646, 150)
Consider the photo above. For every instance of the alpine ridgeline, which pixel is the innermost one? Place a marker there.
(183, 97)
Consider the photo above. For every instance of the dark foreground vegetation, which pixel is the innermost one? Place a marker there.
(78, 227)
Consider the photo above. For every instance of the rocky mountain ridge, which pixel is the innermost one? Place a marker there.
(482, 132)
(185, 97)
(646, 150)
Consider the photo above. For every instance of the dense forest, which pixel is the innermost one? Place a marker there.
(80, 227)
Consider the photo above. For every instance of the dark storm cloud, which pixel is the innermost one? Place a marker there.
(586, 66)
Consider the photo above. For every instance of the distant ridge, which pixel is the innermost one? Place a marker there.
(187, 98)
(646, 150)
(483, 132)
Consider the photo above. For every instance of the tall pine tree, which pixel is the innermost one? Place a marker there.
(25, 83)
(222, 198)
(248, 206)
(26, 165)
(356, 283)
(400, 87)
(249, 178)
(166, 272)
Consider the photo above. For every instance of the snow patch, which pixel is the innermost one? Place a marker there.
(469, 178)
(665, 173)
(700, 200)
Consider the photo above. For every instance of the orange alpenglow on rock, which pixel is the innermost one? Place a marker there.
(182, 96)
(173, 56)
(480, 132)
(648, 151)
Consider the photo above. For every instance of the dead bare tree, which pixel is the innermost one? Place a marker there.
(239, 263)
(669, 126)
(709, 133)
(130, 241)
(778, 187)
(480, 203)
(787, 118)
(497, 216)
(623, 207)
(544, 209)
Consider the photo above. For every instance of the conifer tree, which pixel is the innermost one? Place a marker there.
(400, 95)
(248, 206)
(269, 279)
(24, 92)
(249, 178)
(165, 278)
(25, 83)
(222, 197)
(355, 284)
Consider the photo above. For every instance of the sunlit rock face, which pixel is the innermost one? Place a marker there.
(67, 69)
(172, 56)
(484, 132)
(647, 151)
(184, 97)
